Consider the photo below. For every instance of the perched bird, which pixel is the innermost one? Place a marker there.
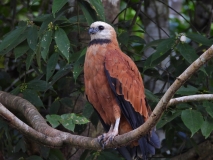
(113, 85)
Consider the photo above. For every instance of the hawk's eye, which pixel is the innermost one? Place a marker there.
(100, 27)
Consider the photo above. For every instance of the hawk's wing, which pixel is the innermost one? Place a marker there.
(127, 85)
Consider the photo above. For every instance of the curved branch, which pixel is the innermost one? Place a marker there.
(50, 136)
(192, 98)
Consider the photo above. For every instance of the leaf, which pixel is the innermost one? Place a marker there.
(208, 107)
(199, 39)
(30, 56)
(98, 7)
(45, 44)
(67, 102)
(69, 120)
(192, 120)
(32, 36)
(187, 52)
(78, 66)
(11, 37)
(187, 90)
(137, 39)
(207, 127)
(88, 12)
(153, 44)
(32, 97)
(54, 107)
(151, 96)
(124, 38)
(62, 72)
(62, 42)
(53, 120)
(51, 64)
(21, 50)
(34, 158)
(166, 118)
(162, 50)
(88, 110)
(38, 85)
(57, 5)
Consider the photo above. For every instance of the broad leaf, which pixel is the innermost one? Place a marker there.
(199, 38)
(98, 7)
(30, 56)
(21, 50)
(62, 42)
(166, 118)
(57, 5)
(151, 96)
(192, 120)
(53, 120)
(51, 64)
(88, 110)
(189, 90)
(38, 85)
(67, 102)
(45, 44)
(11, 37)
(32, 97)
(88, 12)
(55, 107)
(187, 52)
(209, 107)
(207, 127)
(32, 36)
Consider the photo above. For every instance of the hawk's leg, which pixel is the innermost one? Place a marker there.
(109, 136)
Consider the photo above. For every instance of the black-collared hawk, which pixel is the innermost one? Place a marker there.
(113, 85)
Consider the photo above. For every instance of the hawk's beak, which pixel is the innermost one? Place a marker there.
(93, 30)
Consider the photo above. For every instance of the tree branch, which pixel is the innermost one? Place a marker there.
(47, 135)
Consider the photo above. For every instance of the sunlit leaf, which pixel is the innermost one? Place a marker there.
(53, 120)
(192, 120)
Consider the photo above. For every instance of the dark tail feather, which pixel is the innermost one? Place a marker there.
(154, 139)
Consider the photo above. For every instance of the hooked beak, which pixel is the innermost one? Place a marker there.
(93, 30)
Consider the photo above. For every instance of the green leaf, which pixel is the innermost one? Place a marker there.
(192, 120)
(38, 85)
(189, 90)
(57, 5)
(88, 110)
(69, 120)
(123, 38)
(151, 96)
(45, 44)
(207, 127)
(98, 7)
(67, 102)
(62, 42)
(34, 158)
(137, 39)
(53, 120)
(32, 97)
(209, 107)
(166, 118)
(88, 12)
(32, 36)
(187, 52)
(54, 107)
(51, 64)
(78, 66)
(30, 56)
(199, 39)
(11, 37)
(153, 44)
(20, 50)
(163, 49)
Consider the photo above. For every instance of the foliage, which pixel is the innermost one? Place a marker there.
(42, 58)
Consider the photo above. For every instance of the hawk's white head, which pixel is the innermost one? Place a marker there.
(101, 30)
